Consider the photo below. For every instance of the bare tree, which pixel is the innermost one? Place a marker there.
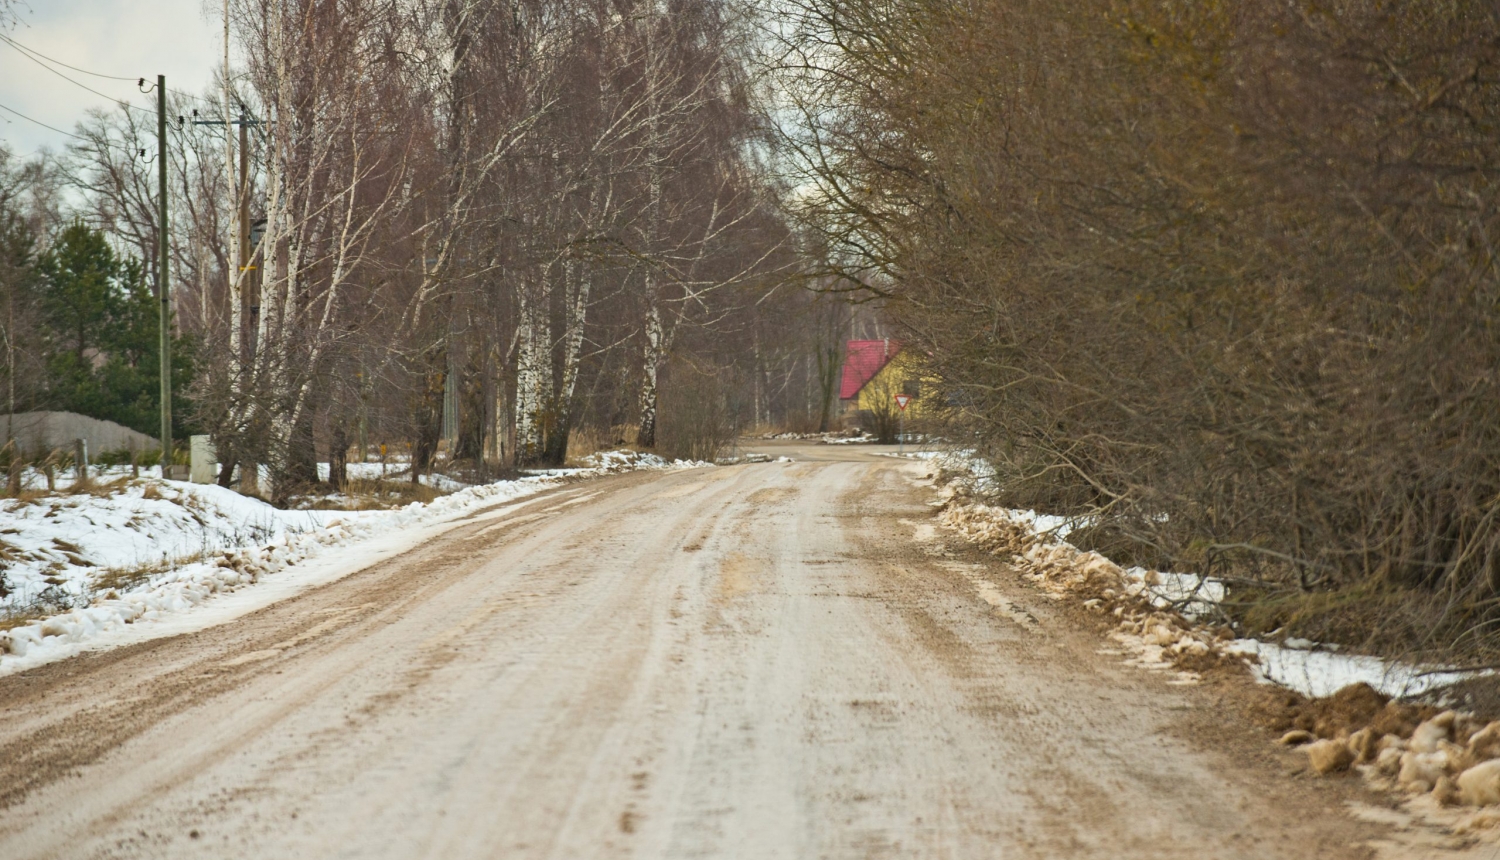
(1192, 272)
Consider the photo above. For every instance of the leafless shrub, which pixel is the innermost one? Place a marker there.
(695, 420)
(1222, 277)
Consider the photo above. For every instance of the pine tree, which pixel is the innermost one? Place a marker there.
(102, 333)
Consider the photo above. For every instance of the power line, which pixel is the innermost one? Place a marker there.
(187, 94)
(88, 140)
(44, 125)
(27, 50)
(24, 51)
(70, 80)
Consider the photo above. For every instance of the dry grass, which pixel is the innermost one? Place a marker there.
(588, 440)
(9, 552)
(125, 578)
(367, 494)
(591, 440)
(30, 497)
(20, 618)
(97, 489)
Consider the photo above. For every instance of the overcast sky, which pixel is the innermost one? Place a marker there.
(178, 38)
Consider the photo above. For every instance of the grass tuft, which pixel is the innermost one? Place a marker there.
(121, 579)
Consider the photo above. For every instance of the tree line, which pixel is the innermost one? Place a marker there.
(1217, 278)
(467, 226)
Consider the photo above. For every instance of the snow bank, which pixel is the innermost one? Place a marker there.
(1318, 670)
(630, 461)
(1181, 603)
(138, 556)
(1192, 595)
(54, 547)
(862, 439)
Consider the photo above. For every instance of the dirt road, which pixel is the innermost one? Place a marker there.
(775, 660)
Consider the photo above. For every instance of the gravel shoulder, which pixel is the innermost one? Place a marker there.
(770, 660)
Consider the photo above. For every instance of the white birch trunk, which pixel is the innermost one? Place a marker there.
(577, 309)
(528, 379)
(655, 342)
(652, 366)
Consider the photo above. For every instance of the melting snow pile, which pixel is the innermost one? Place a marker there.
(1155, 637)
(632, 461)
(1163, 617)
(833, 439)
(1318, 670)
(95, 562)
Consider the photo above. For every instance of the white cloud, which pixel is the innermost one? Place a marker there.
(182, 39)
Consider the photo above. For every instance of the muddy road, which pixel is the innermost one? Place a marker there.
(777, 660)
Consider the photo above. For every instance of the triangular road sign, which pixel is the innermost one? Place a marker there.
(902, 400)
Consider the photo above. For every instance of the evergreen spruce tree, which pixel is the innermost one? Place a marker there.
(102, 333)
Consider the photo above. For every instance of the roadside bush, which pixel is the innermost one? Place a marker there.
(883, 418)
(695, 422)
(124, 457)
(1220, 276)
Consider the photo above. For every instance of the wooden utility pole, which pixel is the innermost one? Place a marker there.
(164, 286)
(236, 250)
(10, 358)
(246, 279)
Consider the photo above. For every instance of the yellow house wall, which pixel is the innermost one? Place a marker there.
(889, 381)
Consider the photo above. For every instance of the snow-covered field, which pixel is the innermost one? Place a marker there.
(92, 569)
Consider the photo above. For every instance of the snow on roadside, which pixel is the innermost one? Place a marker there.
(1193, 596)
(829, 438)
(56, 545)
(629, 461)
(1154, 638)
(1317, 670)
(155, 548)
(833, 439)
(1181, 605)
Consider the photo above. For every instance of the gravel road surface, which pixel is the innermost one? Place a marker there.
(774, 660)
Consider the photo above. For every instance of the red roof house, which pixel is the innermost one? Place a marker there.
(862, 360)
